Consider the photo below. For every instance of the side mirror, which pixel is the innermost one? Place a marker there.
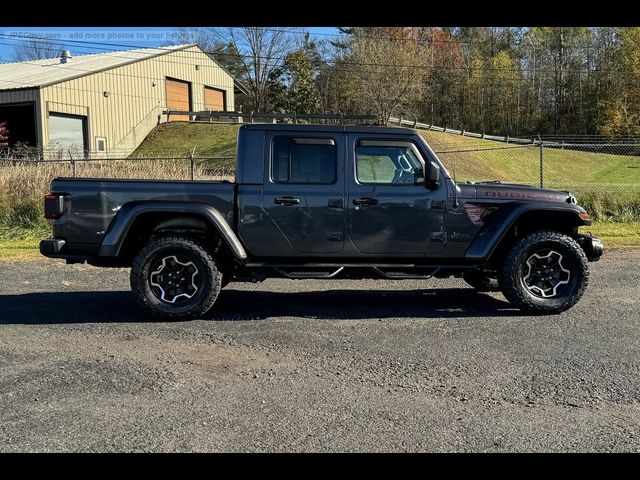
(433, 176)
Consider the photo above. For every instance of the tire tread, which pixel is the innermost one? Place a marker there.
(508, 274)
(137, 278)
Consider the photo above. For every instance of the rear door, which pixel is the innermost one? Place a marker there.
(304, 191)
(390, 210)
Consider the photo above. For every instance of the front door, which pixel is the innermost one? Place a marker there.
(303, 193)
(390, 210)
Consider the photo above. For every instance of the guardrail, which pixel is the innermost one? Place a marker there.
(251, 117)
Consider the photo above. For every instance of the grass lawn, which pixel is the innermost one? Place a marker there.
(563, 168)
(616, 234)
(612, 234)
(177, 139)
(19, 249)
(21, 243)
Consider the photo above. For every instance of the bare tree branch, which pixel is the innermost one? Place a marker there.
(37, 47)
(262, 50)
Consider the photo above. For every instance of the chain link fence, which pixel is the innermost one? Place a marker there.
(580, 167)
(605, 176)
(143, 168)
(612, 168)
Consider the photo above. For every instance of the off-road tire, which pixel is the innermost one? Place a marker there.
(481, 282)
(208, 285)
(514, 270)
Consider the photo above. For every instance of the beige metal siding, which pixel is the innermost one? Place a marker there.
(136, 96)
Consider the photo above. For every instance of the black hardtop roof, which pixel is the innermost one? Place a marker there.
(328, 128)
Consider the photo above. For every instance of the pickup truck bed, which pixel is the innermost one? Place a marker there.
(90, 205)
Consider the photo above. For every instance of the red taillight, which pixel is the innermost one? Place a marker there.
(53, 206)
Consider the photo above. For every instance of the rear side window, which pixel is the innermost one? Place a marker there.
(303, 160)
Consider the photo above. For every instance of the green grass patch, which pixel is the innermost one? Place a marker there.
(19, 249)
(19, 242)
(576, 170)
(616, 234)
(179, 138)
(21, 233)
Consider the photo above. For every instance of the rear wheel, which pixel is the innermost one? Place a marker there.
(545, 272)
(175, 278)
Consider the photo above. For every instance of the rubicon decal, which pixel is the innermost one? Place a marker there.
(550, 197)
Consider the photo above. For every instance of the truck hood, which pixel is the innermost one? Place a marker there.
(512, 191)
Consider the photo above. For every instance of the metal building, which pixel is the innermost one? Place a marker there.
(104, 105)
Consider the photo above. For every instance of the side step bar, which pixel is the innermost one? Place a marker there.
(309, 274)
(389, 272)
(403, 276)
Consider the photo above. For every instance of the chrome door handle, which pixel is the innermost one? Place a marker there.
(365, 201)
(286, 201)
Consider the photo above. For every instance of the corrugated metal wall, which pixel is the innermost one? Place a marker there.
(135, 98)
(30, 95)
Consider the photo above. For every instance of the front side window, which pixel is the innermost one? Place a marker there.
(303, 160)
(393, 165)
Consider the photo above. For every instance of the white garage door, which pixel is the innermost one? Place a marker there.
(67, 132)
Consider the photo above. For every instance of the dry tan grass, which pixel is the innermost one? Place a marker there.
(22, 186)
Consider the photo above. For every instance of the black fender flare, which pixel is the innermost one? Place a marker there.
(490, 235)
(129, 213)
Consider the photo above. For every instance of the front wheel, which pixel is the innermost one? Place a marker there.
(175, 278)
(544, 273)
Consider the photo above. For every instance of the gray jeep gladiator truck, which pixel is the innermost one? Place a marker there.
(317, 201)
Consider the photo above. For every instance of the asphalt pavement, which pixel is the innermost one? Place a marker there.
(317, 365)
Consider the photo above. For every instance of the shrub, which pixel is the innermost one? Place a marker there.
(4, 135)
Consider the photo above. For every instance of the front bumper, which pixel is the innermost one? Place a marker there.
(592, 246)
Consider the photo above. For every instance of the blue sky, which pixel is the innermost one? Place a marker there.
(135, 37)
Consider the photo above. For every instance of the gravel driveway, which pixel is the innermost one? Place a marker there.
(317, 366)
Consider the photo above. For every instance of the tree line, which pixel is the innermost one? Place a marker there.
(500, 80)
